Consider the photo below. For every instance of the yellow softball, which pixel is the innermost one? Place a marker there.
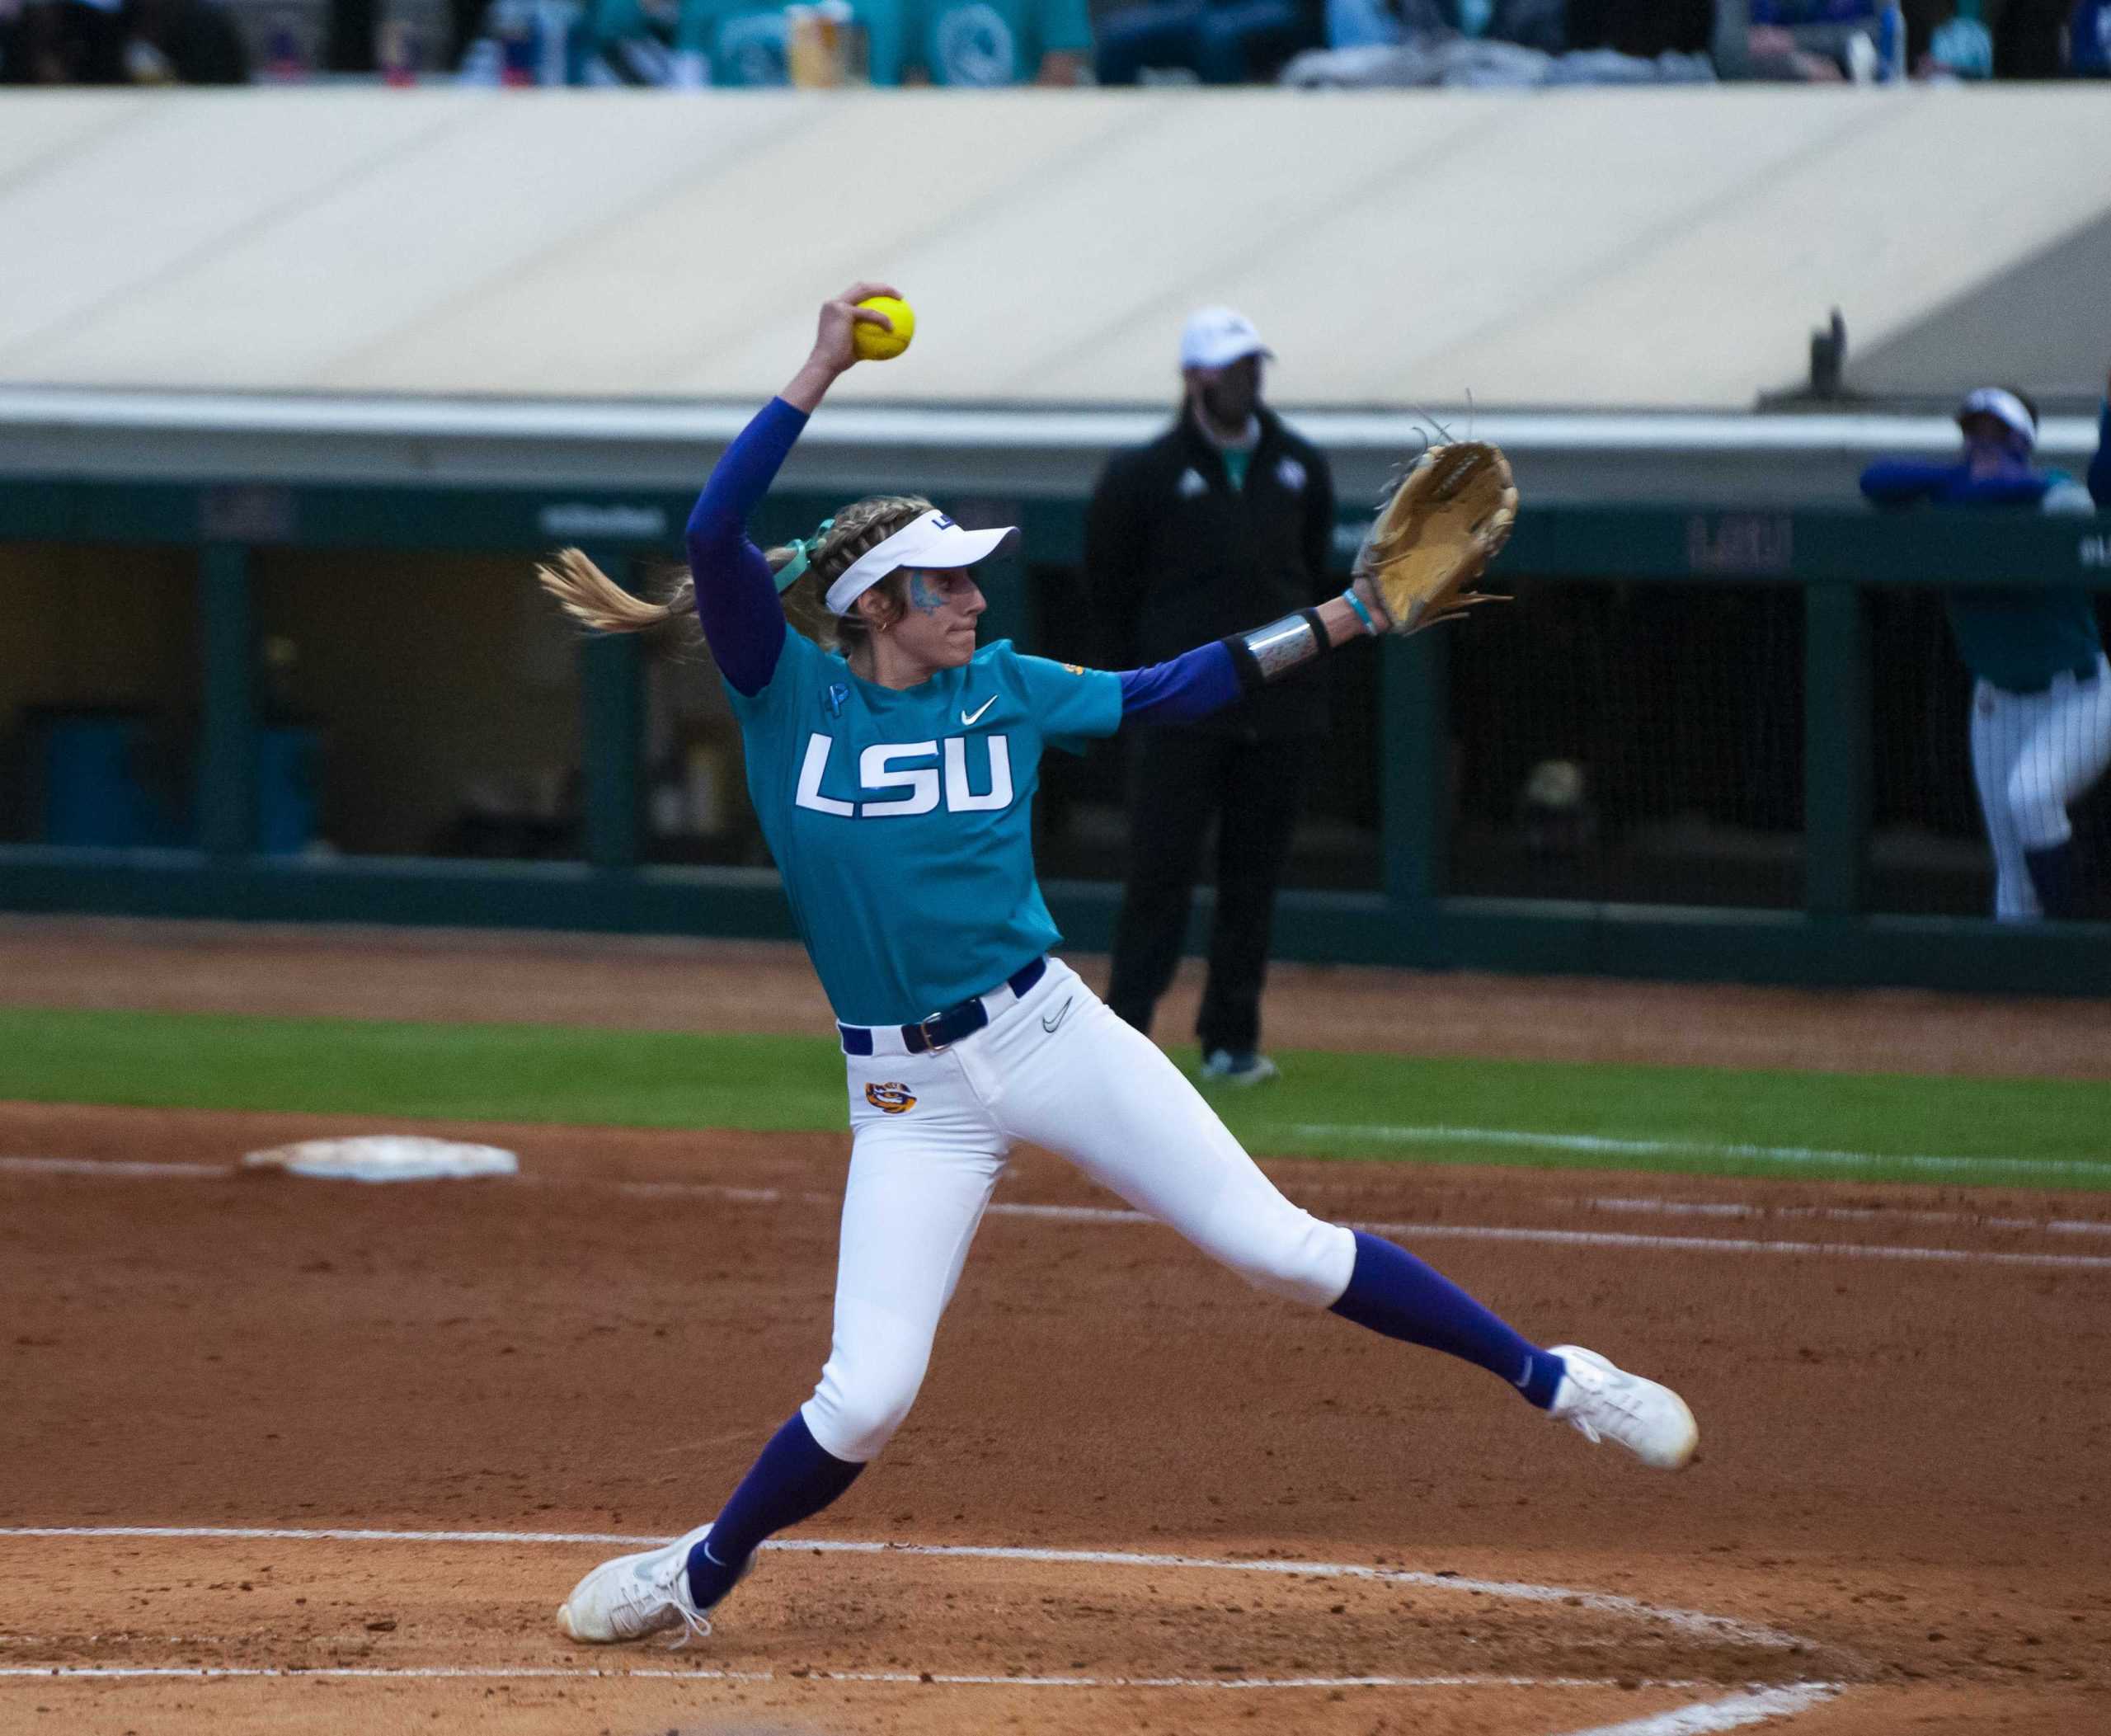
(875, 343)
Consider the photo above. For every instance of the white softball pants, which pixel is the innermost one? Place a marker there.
(2032, 755)
(1057, 1070)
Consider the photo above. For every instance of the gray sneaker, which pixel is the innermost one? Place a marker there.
(1237, 1067)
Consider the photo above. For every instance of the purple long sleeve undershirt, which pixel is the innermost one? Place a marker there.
(743, 622)
(1189, 687)
(735, 595)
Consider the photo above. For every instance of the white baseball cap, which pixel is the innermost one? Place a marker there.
(2006, 408)
(931, 541)
(1216, 337)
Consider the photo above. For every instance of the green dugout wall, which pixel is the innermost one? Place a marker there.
(1826, 567)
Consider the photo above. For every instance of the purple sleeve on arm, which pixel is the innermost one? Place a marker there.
(1894, 482)
(1191, 686)
(2021, 488)
(1899, 481)
(735, 596)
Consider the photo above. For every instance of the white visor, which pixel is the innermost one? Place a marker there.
(2006, 408)
(933, 542)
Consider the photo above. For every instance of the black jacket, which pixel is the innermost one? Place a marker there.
(1174, 558)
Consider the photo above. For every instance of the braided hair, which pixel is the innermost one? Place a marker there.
(590, 597)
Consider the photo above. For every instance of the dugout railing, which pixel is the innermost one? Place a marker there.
(1622, 869)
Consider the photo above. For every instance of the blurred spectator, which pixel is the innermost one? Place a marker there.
(62, 42)
(525, 42)
(1216, 41)
(1805, 41)
(745, 45)
(183, 42)
(885, 42)
(2089, 42)
(1829, 39)
(980, 43)
(649, 42)
(1644, 29)
(1539, 24)
(136, 42)
(1481, 43)
(1961, 49)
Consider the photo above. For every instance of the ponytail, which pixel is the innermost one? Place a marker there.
(597, 602)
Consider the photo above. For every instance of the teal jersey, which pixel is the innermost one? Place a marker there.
(747, 44)
(970, 42)
(2020, 639)
(902, 821)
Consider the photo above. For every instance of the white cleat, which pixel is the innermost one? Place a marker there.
(636, 1595)
(1604, 1403)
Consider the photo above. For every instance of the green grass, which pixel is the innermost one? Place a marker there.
(1709, 1120)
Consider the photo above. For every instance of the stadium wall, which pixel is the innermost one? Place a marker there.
(192, 584)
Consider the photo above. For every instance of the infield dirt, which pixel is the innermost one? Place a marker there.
(1901, 1462)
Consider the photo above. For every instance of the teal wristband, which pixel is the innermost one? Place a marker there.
(1363, 614)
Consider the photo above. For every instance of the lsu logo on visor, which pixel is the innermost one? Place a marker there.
(890, 1099)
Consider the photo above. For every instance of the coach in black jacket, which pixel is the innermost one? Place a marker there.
(1223, 521)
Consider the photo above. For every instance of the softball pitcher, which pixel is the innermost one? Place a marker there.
(2041, 699)
(894, 776)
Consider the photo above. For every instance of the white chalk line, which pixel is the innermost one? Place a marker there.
(1655, 1206)
(1737, 1712)
(1668, 1208)
(1426, 1232)
(1696, 1623)
(97, 1166)
(1485, 1233)
(1605, 1145)
(1739, 1244)
(1420, 1231)
(1847, 1215)
(559, 1672)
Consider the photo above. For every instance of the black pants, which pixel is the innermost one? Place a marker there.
(1183, 779)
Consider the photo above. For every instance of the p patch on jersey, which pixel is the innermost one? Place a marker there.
(892, 1097)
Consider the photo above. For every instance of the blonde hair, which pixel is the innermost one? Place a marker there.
(597, 602)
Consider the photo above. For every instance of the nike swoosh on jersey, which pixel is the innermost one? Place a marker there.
(1049, 1024)
(967, 719)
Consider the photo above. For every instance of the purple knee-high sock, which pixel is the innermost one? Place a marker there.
(793, 1479)
(1393, 1292)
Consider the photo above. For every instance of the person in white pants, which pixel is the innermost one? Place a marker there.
(2033, 755)
(893, 778)
(2041, 703)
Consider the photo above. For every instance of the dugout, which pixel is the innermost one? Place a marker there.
(269, 571)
